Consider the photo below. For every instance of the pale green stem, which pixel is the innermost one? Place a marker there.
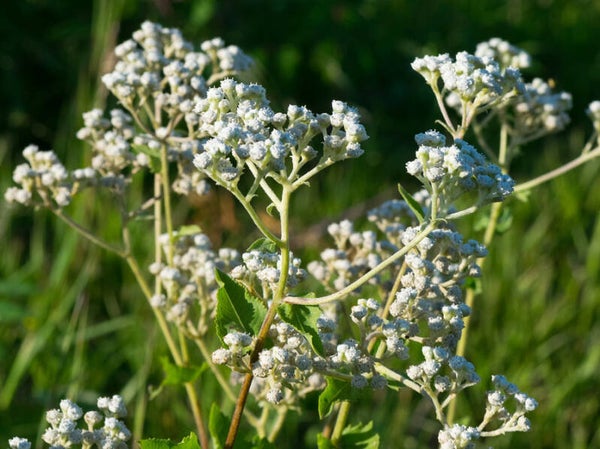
(164, 327)
(440, 102)
(262, 422)
(592, 154)
(439, 412)
(197, 412)
(87, 234)
(157, 231)
(264, 185)
(278, 424)
(462, 213)
(340, 422)
(254, 216)
(166, 196)
(137, 119)
(365, 277)
(309, 174)
(391, 374)
(386, 309)
(434, 200)
(220, 379)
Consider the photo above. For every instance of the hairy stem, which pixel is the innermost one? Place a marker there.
(365, 277)
(87, 234)
(340, 422)
(283, 244)
(592, 154)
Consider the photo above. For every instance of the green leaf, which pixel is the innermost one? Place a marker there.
(358, 436)
(179, 375)
(237, 308)
(153, 156)
(335, 391)
(189, 230)
(304, 319)
(324, 443)
(474, 284)
(263, 244)
(412, 203)
(189, 442)
(218, 426)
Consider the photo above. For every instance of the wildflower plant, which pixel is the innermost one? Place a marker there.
(395, 298)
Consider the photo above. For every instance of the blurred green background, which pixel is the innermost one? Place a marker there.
(72, 322)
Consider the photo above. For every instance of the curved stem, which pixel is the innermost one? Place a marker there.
(255, 218)
(87, 234)
(365, 277)
(281, 414)
(592, 154)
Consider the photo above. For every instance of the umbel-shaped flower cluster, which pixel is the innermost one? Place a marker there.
(102, 428)
(449, 172)
(244, 132)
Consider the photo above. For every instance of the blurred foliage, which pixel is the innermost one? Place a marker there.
(71, 322)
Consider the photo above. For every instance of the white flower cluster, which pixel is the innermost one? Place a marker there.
(452, 171)
(458, 436)
(263, 267)
(431, 288)
(285, 372)
(103, 430)
(43, 174)
(159, 74)
(469, 79)
(593, 112)
(190, 281)
(500, 399)
(442, 372)
(355, 254)
(158, 64)
(540, 111)
(242, 130)
(504, 52)
(111, 141)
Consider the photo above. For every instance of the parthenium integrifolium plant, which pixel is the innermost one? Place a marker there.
(186, 121)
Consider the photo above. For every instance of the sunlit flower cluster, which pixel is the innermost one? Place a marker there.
(449, 172)
(159, 64)
(469, 79)
(243, 131)
(102, 429)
